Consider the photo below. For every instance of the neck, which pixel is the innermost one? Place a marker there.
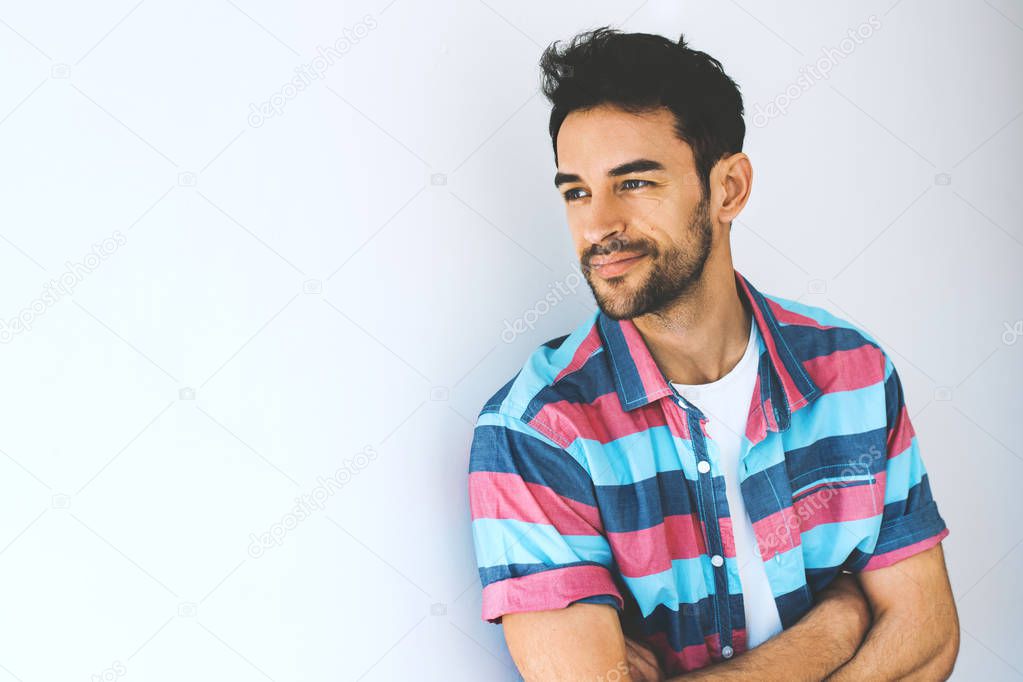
(701, 336)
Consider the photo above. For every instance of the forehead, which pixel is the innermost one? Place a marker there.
(595, 139)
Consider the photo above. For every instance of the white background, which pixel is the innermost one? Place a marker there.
(337, 278)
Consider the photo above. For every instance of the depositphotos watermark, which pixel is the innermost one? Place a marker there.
(556, 294)
(325, 58)
(811, 74)
(62, 286)
(313, 501)
(114, 672)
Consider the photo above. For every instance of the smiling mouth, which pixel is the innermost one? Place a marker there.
(614, 266)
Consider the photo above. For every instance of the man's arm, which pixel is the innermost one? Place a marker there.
(823, 640)
(916, 628)
(915, 635)
(585, 642)
(579, 642)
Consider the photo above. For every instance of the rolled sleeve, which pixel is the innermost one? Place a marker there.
(911, 522)
(537, 534)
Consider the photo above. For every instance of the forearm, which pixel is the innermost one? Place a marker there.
(821, 642)
(897, 649)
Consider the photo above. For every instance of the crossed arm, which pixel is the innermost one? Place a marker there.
(905, 611)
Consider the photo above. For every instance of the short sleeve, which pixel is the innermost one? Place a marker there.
(911, 522)
(537, 534)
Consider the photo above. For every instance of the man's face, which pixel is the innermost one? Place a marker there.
(643, 232)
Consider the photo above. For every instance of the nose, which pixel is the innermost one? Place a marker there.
(606, 217)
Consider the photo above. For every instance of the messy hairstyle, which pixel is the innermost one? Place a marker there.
(641, 72)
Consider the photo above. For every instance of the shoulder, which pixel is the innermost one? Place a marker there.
(551, 374)
(830, 345)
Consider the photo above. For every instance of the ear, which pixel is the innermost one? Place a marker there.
(731, 180)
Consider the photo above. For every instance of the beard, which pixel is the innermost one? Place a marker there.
(672, 275)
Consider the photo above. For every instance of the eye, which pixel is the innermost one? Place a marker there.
(570, 195)
(645, 183)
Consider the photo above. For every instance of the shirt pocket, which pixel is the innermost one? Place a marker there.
(846, 493)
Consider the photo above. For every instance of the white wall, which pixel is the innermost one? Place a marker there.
(282, 296)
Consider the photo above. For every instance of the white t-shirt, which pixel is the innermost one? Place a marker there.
(725, 403)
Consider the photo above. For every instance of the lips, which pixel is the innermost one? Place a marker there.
(615, 264)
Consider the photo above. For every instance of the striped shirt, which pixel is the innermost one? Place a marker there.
(592, 480)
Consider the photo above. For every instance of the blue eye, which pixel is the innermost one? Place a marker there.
(647, 182)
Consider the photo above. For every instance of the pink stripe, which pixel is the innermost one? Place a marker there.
(777, 533)
(727, 537)
(692, 657)
(785, 316)
(677, 662)
(739, 641)
(896, 555)
(497, 495)
(768, 412)
(831, 505)
(846, 370)
(651, 550)
(553, 589)
(756, 424)
(590, 344)
(602, 420)
(901, 435)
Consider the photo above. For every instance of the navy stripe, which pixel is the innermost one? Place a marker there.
(646, 503)
(793, 606)
(843, 456)
(809, 343)
(893, 397)
(599, 599)
(498, 398)
(819, 578)
(689, 624)
(555, 343)
(624, 372)
(760, 488)
(503, 450)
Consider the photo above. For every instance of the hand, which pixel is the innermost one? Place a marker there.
(643, 665)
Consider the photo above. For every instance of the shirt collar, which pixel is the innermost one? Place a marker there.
(785, 385)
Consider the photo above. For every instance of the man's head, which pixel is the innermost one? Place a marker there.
(647, 136)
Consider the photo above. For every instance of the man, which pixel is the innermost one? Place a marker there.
(700, 477)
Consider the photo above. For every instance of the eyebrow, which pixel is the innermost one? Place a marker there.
(636, 166)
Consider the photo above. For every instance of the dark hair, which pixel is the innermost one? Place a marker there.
(639, 72)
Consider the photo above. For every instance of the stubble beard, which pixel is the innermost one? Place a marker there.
(673, 274)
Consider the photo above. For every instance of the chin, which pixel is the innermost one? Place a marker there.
(618, 304)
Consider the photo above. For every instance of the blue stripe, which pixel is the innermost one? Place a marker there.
(785, 571)
(818, 315)
(509, 541)
(837, 414)
(905, 470)
(638, 456)
(686, 582)
(828, 544)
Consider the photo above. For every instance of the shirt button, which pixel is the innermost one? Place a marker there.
(703, 466)
(726, 651)
(717, 560)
